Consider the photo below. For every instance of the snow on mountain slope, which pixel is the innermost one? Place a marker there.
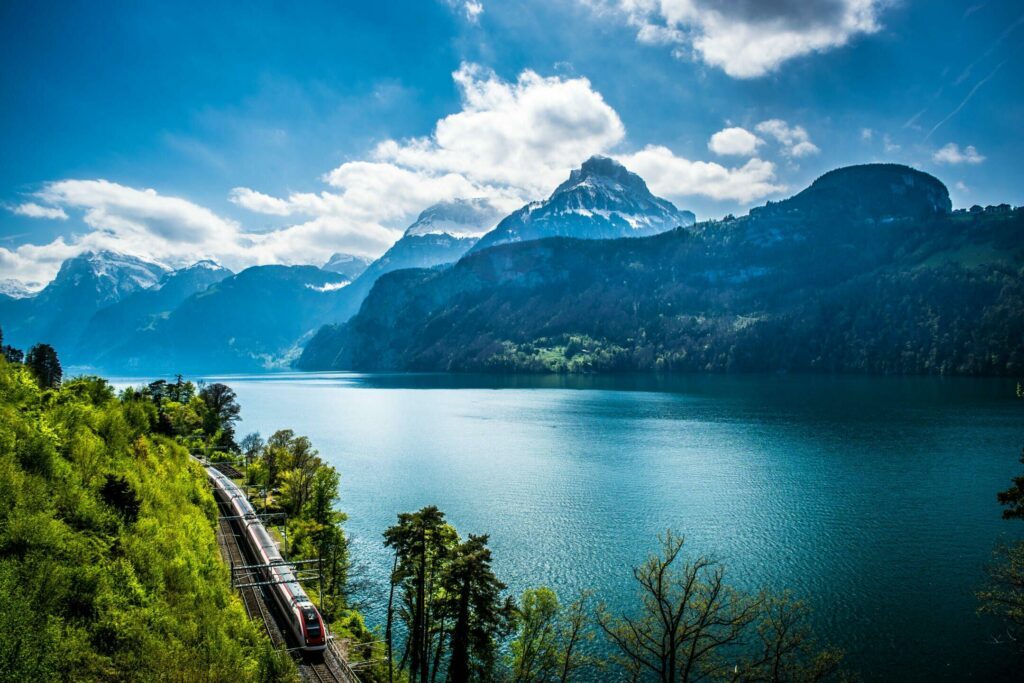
(600, 200)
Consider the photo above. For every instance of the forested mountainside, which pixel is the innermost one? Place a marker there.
(246, 322)
(441, 234)
(109, 569)
(867, 270)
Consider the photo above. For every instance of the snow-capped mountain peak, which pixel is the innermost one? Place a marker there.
(458, 217)
(600, 200)
(111, 275)
(348, 265)
(16, 289)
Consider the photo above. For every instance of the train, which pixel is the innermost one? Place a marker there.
(302, 616)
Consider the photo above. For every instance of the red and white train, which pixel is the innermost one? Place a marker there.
(303, 618)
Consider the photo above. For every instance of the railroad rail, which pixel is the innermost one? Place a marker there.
(324, 667)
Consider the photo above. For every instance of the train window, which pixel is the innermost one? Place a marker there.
(312, 623)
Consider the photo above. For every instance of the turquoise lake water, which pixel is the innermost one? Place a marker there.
(871, 498)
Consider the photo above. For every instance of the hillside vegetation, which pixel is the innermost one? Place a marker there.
(109, 567)
(867, 270)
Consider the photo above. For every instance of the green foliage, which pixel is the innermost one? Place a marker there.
(826, 282)
(42, 361)
(551, 640)
(293, 479)
(1003, 596)
(450, 600)
(109, 569)
(221, 414)
(481, 617)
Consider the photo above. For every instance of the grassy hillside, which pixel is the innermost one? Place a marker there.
(109, 567)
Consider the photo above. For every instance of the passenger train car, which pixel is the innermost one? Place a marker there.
(303, 618)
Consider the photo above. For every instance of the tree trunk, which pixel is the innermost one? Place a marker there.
(387, 629)
(458, 670)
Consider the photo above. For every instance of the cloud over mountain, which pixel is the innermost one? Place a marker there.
(746, 38)
(511, 141)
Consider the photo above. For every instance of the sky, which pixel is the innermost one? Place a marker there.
(285, 132)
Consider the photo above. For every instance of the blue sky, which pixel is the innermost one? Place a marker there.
(282, 134)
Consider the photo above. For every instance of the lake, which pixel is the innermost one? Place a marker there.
(871, 498)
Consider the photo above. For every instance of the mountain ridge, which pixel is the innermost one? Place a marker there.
(600, 200)
(884, 279)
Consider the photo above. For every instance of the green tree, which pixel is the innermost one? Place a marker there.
(550, 637)
(327, 535)
(784, 648)
(423, 543)
(535, 648)
(42, 361)
(222, 412)
(481, 617)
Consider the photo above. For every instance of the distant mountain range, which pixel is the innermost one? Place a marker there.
(84, 285)
(118, 313)
(867, 270)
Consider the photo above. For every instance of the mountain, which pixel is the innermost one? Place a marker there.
(867, 270)
(440, 235)
(600, 200)
(110, 326)
(84, 284)
(458, 218)
(16, 289)
(347, 265)
(247, 322)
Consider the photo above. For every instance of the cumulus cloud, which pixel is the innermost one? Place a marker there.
(734, 141)
(675, 177)
(258, 202)
(525, 134)
(746, 38)
(510, 142)
(794, 139)
(952, 154)
(33, 210)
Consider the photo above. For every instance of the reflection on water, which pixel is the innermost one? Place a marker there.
(872, 498)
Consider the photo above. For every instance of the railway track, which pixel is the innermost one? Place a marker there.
(328, 667)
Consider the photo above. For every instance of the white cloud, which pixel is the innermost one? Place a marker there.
(510, 142)
(734, 141)
(524, 135)
(866, 134)
(471, 9)
(675, 177)
(257, 202)
(794, 139)
(174, 231)
(889, 146)
(952, 154)
(33, 210)
(746, 38)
